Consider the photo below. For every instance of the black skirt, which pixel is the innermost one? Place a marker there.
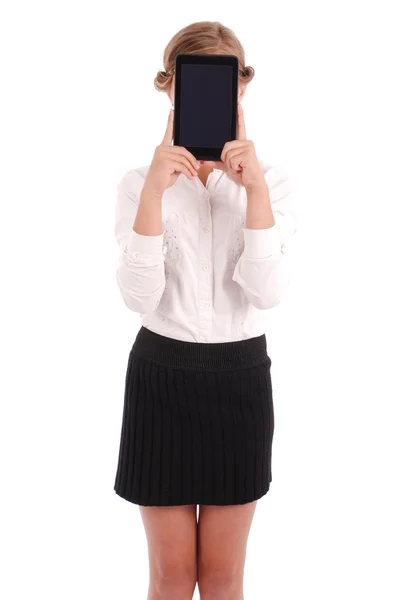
(198, 422)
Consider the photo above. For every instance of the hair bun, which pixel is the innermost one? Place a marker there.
(162, 80)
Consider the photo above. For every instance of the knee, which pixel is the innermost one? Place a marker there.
(175, 582)
(220, 583)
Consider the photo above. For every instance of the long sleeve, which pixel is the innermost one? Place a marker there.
(140, 272)
(263, 269)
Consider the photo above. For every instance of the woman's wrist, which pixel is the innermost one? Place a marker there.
(259, 214)
(150, 193)
(148, 219)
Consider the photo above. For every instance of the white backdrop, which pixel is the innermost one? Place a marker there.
(78, 109)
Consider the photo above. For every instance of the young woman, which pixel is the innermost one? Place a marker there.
(202, 256)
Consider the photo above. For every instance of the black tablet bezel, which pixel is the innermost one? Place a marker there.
(208, 59)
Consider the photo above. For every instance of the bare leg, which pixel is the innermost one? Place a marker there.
(222, 539)
(171, 535)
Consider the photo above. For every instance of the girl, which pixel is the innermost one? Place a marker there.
(202, 255)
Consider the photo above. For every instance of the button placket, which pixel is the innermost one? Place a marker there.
(205, 279)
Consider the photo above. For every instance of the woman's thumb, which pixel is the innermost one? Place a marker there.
(168, 136)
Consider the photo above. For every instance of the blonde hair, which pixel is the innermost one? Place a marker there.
(204, 37)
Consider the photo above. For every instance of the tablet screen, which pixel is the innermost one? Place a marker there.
(206, 105)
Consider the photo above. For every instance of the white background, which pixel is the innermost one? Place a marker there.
(78, 108)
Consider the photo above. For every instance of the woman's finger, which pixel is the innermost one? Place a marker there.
(234, 157)
(180, 158)
(180, 167)
(184, 152)
(230, 146)
(168, 136)
(241, 131)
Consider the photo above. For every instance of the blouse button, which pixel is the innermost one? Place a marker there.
(206, 229)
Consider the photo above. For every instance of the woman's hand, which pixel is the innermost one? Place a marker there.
(168, 162)
(239, 159)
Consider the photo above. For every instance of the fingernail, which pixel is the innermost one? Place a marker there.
(197, 165)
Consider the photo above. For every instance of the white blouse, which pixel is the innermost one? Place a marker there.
(206, 278)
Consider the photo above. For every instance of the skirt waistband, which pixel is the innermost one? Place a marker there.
(201, 356)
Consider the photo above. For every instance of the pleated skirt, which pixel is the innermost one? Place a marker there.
(197, 424)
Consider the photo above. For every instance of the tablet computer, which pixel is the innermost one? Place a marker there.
(205, 103)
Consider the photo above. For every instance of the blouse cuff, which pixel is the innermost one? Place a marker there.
(261, 243)
(147, 244)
